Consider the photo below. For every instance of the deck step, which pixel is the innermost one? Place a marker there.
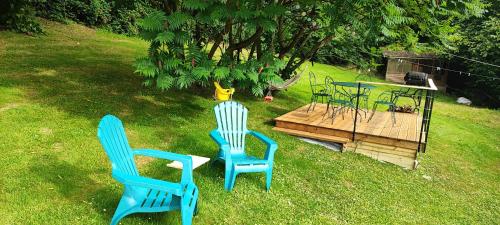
(306, 134)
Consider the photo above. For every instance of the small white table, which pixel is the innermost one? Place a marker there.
(197, 162)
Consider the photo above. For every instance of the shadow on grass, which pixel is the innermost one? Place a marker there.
(92, 92)
(88, 83)
(69, 180)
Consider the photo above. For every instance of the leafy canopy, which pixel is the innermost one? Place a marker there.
(252, 43)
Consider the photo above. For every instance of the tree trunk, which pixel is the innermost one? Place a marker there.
(259, 49)
(308, 56)
(252, 51)
(217, 42)
(292, 43)
(247, 42)
(292, 66)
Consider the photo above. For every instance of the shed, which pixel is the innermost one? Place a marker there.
(401, 62)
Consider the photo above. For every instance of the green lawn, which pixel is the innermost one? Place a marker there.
(55, 88)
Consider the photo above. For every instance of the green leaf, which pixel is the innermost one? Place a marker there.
(273, 10)
(148, 35)
(279, 64)
(145, 67)
(238, 74)
(200, 73)
(177, 19)
(244, 14)
(153, 22)
(165, 37)
(221, 73)
(257, 90)
(171, 63)
(165, 82)
(184, 81)
(195, 4)
(267, 24)
(253, 76)
(181, 37)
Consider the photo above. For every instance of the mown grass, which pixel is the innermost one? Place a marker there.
(55, 88)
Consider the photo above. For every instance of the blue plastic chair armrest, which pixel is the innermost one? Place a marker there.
(190, 196)
(268, 141)
(223, 144)
(187, 161)
(271, 145)
(160, 185)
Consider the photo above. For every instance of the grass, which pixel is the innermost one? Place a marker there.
(55, 88)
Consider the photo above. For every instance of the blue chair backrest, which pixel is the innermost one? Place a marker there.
(114, 141)
(232, 123)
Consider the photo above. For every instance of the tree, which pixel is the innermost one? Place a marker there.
(480, 38)
(251, 43)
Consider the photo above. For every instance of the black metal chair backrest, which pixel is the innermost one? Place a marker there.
(312, 82)
(409, 92)
(333, 91)
(329, 86)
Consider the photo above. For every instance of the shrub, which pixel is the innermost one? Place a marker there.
(119, 16)
(89, 12)
(19, 15)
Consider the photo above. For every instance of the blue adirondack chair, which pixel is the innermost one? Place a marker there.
(142, 194)
(230, 136)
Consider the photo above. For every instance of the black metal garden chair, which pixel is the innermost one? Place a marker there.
(318, 90)
(413, 94)
(416, 79)
(338, 100)
(386, 98)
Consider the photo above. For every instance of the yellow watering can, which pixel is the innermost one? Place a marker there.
(222, 94)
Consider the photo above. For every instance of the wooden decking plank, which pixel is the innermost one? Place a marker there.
(412, 129)
(378, 138)
(375, 145)
(388, 151)
(313, 135)
(398, 126)
(386, 131)
(405, 126)
(380, 125)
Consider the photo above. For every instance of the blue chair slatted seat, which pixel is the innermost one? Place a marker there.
(230, 136)
(142, 194)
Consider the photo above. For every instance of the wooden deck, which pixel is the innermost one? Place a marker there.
(378, 138)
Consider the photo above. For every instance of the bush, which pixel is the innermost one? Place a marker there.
(89, 12)
(19, 15)
(126, 13)
(119, 16)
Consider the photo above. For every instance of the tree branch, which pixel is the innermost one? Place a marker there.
(247, 42)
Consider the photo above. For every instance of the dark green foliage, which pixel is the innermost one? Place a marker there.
(19, 15)
(176, 60)
(480, 41)
(116, 15)
(404, 25)
(89, 12)
(248, 37)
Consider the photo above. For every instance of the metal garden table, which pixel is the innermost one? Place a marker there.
(362, 91)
